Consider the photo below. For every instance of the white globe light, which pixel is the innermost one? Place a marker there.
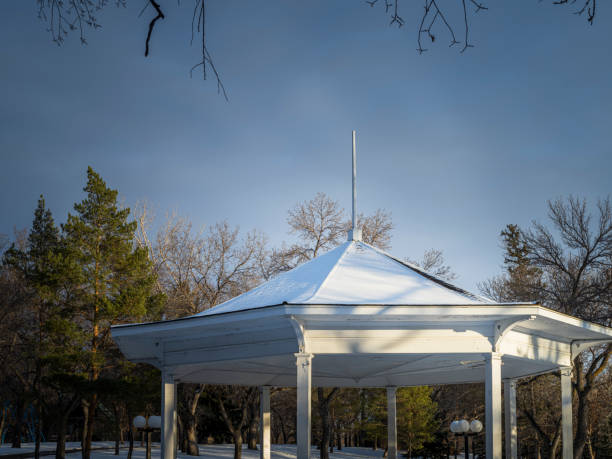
(464, 426)
(140, 422)
(155, 422)
(476, 426)
(454, 426)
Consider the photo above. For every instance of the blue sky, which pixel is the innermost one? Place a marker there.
(454, 145)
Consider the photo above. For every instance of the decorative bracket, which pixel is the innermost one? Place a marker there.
(579, 345)
(299, 334)
(502, 327)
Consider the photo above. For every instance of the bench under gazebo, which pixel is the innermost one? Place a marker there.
(358, 317)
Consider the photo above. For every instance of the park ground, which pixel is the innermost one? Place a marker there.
(206, 452)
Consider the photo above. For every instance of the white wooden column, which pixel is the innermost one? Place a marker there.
(493, 411)
(510, 428)
(264, 428)
(304, 383)
(168, 416)
(391, 423)
(567, 435)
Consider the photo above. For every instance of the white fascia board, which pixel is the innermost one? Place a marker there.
(595, 330)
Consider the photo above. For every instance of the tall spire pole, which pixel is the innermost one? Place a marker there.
(354, 184)
(354, 233)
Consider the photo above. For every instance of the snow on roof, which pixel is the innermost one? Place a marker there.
(353, 273)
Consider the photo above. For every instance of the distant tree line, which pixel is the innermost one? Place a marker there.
(62, 287)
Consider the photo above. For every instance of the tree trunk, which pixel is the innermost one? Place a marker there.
(192, 395)
(117, 428)
(89, 423)
(2, 422)
(37, 428)
(554, 447)
(85, 407)
(253, 432)
(131, 440)
(582, 423)
(192, 437)
(323, 403)
(237, 445)
(18, 424)
(60, 448)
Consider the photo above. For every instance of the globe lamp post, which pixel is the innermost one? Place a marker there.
(147, 425)
(466, 428)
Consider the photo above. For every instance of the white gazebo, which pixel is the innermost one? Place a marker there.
(358, 317)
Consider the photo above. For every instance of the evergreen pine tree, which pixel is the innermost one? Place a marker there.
(116, 277)
(37, 264)
(523, 278)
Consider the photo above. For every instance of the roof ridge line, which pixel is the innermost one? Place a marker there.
(329, 273)
(429, 276)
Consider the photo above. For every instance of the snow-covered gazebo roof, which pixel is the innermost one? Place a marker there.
(352, 273)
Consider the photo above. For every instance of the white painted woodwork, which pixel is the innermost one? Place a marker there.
(510, 427)
(493, 410)
(502, 327)
(392, 422)
(168, 417)
(304, 386)
(567, 435)
(527, 346)
(264, 422)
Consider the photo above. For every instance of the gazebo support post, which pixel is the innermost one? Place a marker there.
(168, 416)
(264, 407)
(391, 423)
(510, 428)
(493, 411)
(304, 385)
(567, 435)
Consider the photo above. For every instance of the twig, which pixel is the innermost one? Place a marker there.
(160, 15)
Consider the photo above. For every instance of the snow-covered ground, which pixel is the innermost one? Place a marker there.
(206, 451)
(6, 449)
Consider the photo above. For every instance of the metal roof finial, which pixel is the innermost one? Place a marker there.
(354, 233)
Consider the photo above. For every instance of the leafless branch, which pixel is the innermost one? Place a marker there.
(160, 15)
(198, 25)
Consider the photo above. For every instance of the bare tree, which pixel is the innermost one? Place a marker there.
(577, 280)
(239, 398)
(569, 269)
(434, 263)
(320, 224)
(198, 270)
(324, 399)
(376, 228)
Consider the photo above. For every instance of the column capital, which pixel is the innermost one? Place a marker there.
(565, 371)
(303, 355)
